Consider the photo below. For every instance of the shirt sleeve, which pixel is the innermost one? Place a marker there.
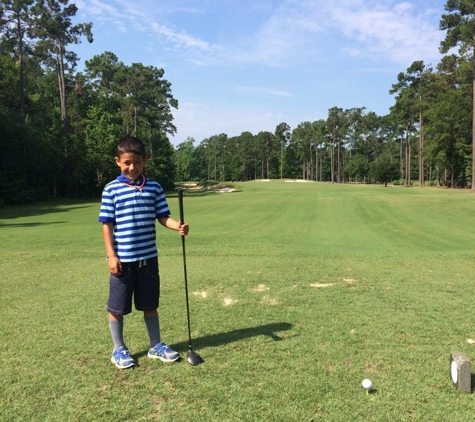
(161, 205)
(107, 211)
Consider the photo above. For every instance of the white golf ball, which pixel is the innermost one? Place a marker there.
(367, 383)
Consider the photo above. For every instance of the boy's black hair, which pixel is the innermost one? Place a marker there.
(132, 145)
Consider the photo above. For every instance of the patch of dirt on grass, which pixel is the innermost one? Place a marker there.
(228, 301)
(201, 294)
(266, 300)
(259, 288)
(369, 368)
(322, 285)
(349, 280)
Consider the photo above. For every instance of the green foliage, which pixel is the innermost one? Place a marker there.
(183, 159)
(101, 133)
(63, 145)
(160, 165)
(357, 167)
(384, 169)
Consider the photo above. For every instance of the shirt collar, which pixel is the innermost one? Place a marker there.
(123, 179)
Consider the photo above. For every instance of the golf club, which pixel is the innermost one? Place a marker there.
(192, 357)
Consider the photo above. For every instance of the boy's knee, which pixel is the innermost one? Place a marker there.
(115, 317)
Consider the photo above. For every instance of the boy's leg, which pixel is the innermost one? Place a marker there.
(121, 355)
(146, 296)
(116, 323)
(118, 305)
(153, 326)
(158, 350)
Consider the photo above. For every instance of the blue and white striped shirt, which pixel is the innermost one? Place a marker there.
(133, 210)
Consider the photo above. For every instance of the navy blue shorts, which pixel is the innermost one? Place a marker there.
(140, 280)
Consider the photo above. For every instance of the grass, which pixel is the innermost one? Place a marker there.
(298, 292)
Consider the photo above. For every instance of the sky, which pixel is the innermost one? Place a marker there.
(248, 65)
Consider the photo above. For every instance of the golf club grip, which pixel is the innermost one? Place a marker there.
(180, 205)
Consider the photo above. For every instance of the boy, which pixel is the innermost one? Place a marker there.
(130, 204)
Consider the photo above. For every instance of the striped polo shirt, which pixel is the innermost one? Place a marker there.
(133, 208)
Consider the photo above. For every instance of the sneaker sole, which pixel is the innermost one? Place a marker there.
(131, 365)
(163, 359)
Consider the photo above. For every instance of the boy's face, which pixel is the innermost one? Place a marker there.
(131, 164)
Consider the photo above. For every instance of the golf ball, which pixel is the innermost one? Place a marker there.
(367, 383)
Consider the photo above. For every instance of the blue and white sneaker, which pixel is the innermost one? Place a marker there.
(122, 359)
(163, 352)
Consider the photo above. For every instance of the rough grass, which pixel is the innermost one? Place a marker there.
(298, 292)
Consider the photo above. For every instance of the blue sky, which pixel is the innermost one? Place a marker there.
(248, 65)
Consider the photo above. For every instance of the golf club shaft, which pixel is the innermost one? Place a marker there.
(182, 221)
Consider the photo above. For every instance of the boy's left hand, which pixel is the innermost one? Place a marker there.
(183, 229)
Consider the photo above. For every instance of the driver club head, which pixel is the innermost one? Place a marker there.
(193, 358)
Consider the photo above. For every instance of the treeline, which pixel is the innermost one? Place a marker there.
(59, 127)
(426, 139)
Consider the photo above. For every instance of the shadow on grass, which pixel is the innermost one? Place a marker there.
(5, 226)
(472, 378)
(215, 340)
(198, 193)
(38, 209)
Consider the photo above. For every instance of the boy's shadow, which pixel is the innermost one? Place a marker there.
(215, 340)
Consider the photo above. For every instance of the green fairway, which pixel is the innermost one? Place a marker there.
(298, 292)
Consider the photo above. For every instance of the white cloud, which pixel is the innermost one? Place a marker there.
(202, 120)
(400, 33)
(181, 39)
(308, 31)
(124, 15)
(293, 32)
(266, 91)
(248, 65)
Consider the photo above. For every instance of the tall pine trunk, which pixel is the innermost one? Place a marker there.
(421, 150)
(473, 122)
(62, 90)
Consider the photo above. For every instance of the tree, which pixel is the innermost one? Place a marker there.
(357, 167)
(319, 141)
(385, 168)
(460, 26)
(412, 87)
(448, 128)
(402, 118)
(55, 31)
(303, 142)
(183, 159)
(266, 144)
(101, 71)
(337, 126)
(146, 101)
(282, 133)
(15, 22)
(101, 136)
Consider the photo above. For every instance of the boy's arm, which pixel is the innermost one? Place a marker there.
(115, 266)
(172, 224)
